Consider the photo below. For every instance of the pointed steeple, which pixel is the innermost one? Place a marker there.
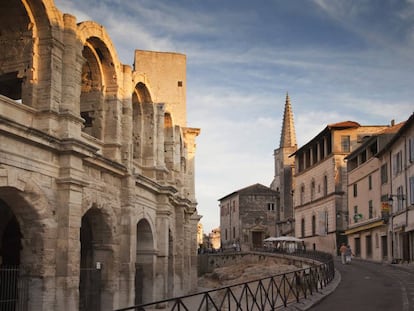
(288, 135)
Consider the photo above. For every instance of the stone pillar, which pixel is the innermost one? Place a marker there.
(70, 81)
(193, 221)
(161, 266)
(126, 119)
(69, 215)
(159, 135)
(179, 253)
(189, 137)
(187, 252)
(68, 245)
(127, 245)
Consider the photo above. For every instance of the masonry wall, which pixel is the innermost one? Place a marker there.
(96, 166)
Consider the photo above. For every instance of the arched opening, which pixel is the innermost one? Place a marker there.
(16, 45)
(98, 100)
(142, 120)
(95, 260)
(10, 248)
(144, 264)
(91, 108)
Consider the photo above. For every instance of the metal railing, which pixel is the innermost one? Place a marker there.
(270, 293)
(14, 289)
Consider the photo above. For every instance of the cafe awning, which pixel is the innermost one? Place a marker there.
(365, 227)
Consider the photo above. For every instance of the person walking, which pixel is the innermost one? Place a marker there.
(348, 254)
(342, 250)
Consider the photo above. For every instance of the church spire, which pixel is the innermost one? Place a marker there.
(288, 136)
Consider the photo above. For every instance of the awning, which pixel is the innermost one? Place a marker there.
(365, 227)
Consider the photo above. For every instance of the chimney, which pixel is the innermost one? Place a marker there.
(392, 122)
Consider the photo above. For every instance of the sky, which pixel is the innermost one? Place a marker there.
(338, 60)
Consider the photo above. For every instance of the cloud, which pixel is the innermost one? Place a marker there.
(339, 60)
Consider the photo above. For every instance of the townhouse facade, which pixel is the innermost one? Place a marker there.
(368, 198)
(381, 224)
(397, 185)
(97, 196)
(247, 217)
(320, 193)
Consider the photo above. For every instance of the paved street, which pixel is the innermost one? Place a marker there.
(370, 286)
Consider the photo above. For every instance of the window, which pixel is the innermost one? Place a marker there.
(411, 190)
(363, 156)
(314, 154)
(234, 232)
(270, 206)
(325, 185)
(312, 190)
(397, 163)
(302, 195)
(302, 227)
(411, 149)
(370, 209)
(313, 224)
(357, 216)
(384, 174)
(355, 190)
(346, 143)
(370, 182)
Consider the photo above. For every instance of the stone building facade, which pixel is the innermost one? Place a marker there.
(96, 166)
(283, 181)
(320, 194)
(397, 186)
(368, 212)
(247, 217)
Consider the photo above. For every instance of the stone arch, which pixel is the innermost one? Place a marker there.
(22, 59)
(99, 105)
(140, 96)
(97, 259)
(26, 219)
(145, 262)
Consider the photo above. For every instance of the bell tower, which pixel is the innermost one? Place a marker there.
(284, 171)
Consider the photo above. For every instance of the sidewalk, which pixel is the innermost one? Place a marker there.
(409, 267)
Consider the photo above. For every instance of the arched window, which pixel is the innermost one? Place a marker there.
(313, 225)
(312, 190)
(302, 194)
(325, 185)
(302, 227)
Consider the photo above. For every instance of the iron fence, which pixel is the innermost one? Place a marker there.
(14, 289)
(270, 293)
(90, 289)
